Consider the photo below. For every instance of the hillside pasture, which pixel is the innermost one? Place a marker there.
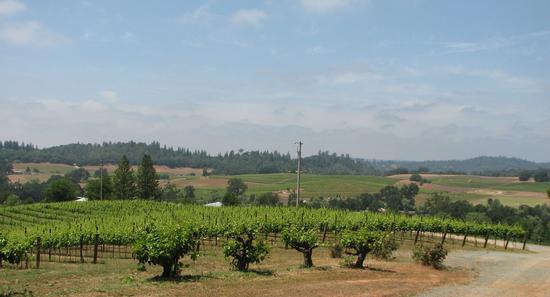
(478, 189)
(46, 170)
(311, 185)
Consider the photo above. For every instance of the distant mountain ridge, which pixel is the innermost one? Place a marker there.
(241, 162)
(477, 165)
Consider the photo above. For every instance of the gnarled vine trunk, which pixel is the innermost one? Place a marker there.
(166, 270)
(360, 259)
(308, 261)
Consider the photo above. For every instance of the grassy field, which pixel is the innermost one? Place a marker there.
(482, 182)
(311, 185)
(478, 189)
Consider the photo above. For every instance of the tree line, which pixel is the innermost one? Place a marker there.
(230, 163)
(123, 184)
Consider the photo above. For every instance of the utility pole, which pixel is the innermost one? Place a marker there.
(101, 180)
(299, 143)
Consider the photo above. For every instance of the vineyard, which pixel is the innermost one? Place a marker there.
(110, 228)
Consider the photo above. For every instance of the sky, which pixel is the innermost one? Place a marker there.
(401, 80)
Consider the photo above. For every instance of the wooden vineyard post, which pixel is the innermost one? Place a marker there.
(486, 240)
(525, 240)
(38, 248)
(324, 232)
(465, 236)
(507, 241)
(50, 249)
(81, 249)
(444, 235)
(96, 243)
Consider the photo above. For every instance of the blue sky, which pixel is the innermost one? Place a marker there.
(377, 79)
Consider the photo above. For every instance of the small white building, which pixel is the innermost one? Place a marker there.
(214, 204)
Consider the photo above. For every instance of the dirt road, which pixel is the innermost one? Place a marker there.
(500, 274)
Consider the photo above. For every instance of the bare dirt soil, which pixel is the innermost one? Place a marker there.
(280, 275)
(503, 274)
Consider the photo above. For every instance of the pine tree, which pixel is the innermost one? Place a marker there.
(124, 183)
(147, 180)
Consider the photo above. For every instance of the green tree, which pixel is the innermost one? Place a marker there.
(236, 186)
(541, 176)
(97, 173)
(243, 247)
(408, 192)
(524, 176)
(5, 169)
(416, 177)
(147, 180)
(170, 193)
(164, 246)
(230, 199)
(304, 240)
(189, 194)
(437, 204)
(93, 188)
(124, 183)
(392, 197)
(77, 176)
(360, 243)
(61, 189)
(268, 198)
(12, 200)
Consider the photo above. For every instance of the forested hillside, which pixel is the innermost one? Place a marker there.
(240, 162)
(233, 162)
(498, 166)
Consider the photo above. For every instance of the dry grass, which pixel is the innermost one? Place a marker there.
(280, 275)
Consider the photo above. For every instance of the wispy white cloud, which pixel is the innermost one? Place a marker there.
(10, 7)
(317, 50)
(129, 37)
(109, 96)
(30, 33)
(253, 17)
(493, 43)
(518, 82)
(326, 6)
(349, 77)
(199, 15)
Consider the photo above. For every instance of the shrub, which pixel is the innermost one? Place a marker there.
(3, 243)
(164, 246)
(416, 177)
(230, 199)
(302, 239)
(360, 243)
(244, 248)
(385, 250)
(541, 176)
(336, 250)
(524, 176)
(430, 255)
(269, 198)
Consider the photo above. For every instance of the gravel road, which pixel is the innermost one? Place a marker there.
(501, 274)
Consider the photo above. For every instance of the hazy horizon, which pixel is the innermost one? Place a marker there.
(386, 80)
